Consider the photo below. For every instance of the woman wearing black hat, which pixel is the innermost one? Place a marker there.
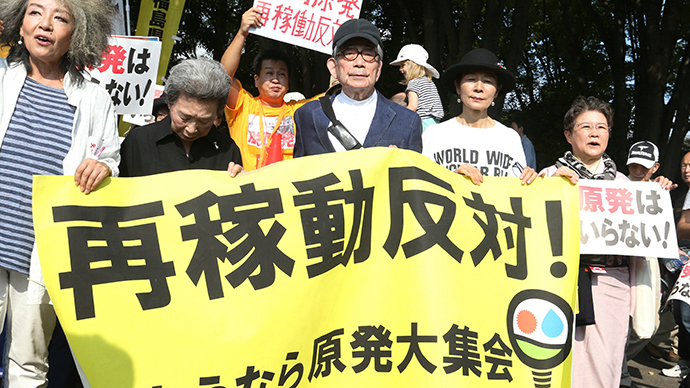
(473, 144)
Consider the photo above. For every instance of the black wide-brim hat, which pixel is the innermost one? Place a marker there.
(478, 59)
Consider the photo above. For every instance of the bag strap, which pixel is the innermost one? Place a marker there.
(337, 128)
(328, 109)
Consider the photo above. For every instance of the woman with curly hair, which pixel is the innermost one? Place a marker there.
(53, 121)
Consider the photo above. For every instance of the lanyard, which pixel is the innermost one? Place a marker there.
(261, 158)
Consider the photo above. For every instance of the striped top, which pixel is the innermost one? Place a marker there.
(37, 140)
(428, 101)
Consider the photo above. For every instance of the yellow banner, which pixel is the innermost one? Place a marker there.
(161, 19)
(369, 268)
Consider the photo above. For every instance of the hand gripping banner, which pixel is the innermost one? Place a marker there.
(366, 268)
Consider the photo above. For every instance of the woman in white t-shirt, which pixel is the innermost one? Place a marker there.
(473, 144)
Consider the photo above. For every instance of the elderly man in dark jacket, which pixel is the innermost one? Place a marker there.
(358, 116)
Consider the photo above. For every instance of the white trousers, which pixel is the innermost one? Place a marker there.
(29, 330)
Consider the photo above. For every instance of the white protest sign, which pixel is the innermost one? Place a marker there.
(681, 290)
(306, 23)
(145, 118)
(128, 72)
(626, 218)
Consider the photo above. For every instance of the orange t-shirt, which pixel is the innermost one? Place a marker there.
(245, 126)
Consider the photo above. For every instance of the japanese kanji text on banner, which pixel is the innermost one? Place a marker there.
(128, 73)
(626, 218)
(310, 23)
(368, 268)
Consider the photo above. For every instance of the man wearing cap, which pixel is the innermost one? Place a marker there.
(643, 162)
(364, 117)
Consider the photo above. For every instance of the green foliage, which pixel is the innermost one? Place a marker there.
(632, 54)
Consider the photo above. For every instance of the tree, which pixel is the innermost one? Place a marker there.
(621, 51)
(632, 53)
(661, 95)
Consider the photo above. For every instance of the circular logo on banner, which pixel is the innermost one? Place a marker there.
(540, 328)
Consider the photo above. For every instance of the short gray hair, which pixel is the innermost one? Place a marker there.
(582, 105)
(203, 79)
(93, 26)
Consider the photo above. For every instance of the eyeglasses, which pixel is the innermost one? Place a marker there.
(684, 166)
(587, 126)
(369, 55)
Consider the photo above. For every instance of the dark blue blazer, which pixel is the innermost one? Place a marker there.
(392, 125)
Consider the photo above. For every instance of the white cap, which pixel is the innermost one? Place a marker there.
(293, 96)
(416, 54)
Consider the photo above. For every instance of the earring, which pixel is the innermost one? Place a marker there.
(493, 103)
(459, 100)
(20, 41)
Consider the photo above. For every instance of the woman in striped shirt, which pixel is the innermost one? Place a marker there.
(53, 121)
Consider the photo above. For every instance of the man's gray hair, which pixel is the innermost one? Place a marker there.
(203, 79)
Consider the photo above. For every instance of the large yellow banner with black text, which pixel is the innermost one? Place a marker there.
(368, 268)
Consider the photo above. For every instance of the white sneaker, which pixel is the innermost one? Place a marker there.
(676, 371)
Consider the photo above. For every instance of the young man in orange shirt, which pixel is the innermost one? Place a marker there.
(260, 124)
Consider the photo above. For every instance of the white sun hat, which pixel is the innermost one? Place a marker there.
(416, 54)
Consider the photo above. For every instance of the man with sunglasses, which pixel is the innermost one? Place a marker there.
(358, 116)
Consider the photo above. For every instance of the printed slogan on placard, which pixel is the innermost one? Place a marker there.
(310, 23)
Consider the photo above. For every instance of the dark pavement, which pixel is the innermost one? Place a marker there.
(646, 371)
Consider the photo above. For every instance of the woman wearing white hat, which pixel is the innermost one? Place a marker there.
(473, 144)
(422, 96)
